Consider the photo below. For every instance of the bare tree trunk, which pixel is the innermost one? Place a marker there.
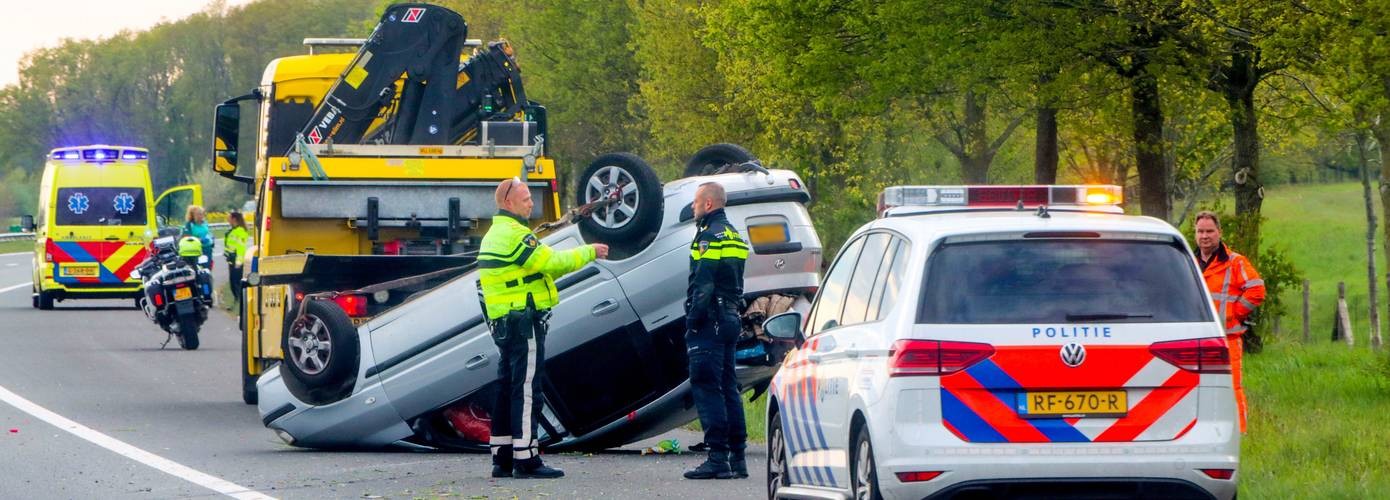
(1370, 239)
(976, 165)
(1155, 181)
(1045, 150)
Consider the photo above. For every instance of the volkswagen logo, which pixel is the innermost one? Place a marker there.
(1073, 354)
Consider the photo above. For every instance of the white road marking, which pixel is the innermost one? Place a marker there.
(121, 448)
(16, 287)
(16, 253)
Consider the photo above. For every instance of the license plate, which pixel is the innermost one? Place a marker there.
(79, 270)
(1072, 404)
(183, 293)
(765, 234)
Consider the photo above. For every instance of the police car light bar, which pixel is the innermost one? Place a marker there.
(999, 196)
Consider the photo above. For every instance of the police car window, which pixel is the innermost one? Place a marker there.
(866, 272)
(889, 283)
(1060, 281)
(832, 295)
(100, 206)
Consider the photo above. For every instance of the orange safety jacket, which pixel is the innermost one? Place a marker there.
(1236, 288)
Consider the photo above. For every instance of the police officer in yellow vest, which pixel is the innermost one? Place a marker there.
(517, 280)
(714, 297)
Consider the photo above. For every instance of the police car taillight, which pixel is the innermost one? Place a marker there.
(935, 357)
(999, 196)
(1208, 355)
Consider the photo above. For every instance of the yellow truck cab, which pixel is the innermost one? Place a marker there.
(95, 222)
(339, 216)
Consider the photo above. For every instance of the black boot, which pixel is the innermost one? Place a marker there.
(715, 467)
(534, 469)
(502, 462)
(738, 464)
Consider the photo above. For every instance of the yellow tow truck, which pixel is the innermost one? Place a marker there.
(372, 167)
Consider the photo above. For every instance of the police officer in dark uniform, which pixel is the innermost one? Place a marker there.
(713, 301)
(516, 282)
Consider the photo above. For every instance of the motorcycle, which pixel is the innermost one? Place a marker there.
(178, 290)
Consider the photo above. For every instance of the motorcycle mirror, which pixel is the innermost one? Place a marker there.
(135, 273)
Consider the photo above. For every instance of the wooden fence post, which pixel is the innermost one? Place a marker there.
(1342, 322)
(1305, 311)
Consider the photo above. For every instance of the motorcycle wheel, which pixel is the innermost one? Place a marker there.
(188, 333)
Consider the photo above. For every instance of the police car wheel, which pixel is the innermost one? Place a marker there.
(320, 348)
(711, 158)
(776, 456)
(628, 224)
(863, 473)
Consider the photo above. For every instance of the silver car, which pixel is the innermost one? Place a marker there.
(616, 359)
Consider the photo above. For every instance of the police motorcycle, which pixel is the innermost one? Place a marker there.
(178, 287)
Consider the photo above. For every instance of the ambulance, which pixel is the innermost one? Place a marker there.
(95, 222)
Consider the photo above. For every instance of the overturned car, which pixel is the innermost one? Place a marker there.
(422, 374)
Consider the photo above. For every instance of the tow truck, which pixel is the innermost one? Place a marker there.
(374, 167)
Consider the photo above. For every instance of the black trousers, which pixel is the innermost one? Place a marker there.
(234, 279)
(711, 351)
(520, 340)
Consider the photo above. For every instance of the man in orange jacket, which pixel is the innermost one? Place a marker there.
(1236, 290)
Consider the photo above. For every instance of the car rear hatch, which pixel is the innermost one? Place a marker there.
(1073, 337)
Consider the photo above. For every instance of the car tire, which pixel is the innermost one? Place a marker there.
(711, 158)
(776, 456)
(630, 225)
(188, 333)
(45, 301)
(324, 373)
(863, 472)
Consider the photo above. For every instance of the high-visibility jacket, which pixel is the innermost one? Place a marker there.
(515, 265)
(1236, 288)
(717, 258)
(234, 244)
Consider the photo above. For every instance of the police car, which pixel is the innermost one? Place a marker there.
(1000, 341)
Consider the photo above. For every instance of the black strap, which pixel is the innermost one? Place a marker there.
(520, 281)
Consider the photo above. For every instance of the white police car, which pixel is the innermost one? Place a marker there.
(1003, 341)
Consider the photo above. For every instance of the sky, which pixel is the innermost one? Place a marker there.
(32, 25)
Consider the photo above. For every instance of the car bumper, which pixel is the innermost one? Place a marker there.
(910, 443)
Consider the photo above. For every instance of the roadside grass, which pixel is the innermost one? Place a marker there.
(1323, 229)
(754, 417)
(1316, 426)
(16, 246)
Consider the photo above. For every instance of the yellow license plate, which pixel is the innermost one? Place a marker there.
(1072, 404)
(765, 234)
(183, 293)
(79, 270)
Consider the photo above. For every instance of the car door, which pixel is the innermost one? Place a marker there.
(808, 451)
(834, 356)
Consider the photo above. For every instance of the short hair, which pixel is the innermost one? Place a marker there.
(715, 191)
(1207, 214)
(504, 189)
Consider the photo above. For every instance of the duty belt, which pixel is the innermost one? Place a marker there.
(520, 281)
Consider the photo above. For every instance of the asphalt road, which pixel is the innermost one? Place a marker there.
(153, 418)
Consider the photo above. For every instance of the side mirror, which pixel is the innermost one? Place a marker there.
(785, 326)
(226, 131)
(26, 223)
(135, 273)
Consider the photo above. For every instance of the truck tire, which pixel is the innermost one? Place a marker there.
(248, 381)
(711, 158)
(628, 226)
(321, 353)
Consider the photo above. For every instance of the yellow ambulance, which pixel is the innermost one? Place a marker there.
(95, 222)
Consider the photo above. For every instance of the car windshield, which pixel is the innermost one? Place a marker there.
(1061, 281)
(100, 206)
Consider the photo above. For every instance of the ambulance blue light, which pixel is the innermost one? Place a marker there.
(134, 155)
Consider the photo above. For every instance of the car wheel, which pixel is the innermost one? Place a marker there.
(864, 475)
(709, 159)
(321, 351)
(45, 301)
(632, 221)
(776, 456)
(188, 333)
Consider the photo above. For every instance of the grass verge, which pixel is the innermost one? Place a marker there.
(16, 246)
